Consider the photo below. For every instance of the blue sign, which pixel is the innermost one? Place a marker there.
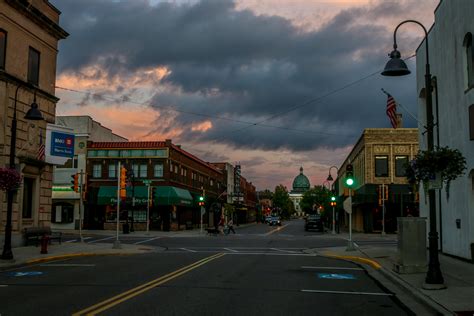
(336, 276)
(22, 274)
(62, 144)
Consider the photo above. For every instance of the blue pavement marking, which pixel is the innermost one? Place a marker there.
(22, 274)
(336, 276)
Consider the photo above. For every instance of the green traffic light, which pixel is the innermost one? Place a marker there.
(349, 181)
(201, 198)
(333, 198)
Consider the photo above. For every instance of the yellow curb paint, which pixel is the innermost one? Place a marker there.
(109, 303)
(374, 264)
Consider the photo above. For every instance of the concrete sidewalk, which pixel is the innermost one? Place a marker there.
(456, 299)
(31, 254)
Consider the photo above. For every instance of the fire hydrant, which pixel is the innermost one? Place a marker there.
(44, 244)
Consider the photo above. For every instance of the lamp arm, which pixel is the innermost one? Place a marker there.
(424, 29)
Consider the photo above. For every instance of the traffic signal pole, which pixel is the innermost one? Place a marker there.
(333, 221)
(350, 244)
(148, 211)
(117, 241)
(81, 203)
(383, 209)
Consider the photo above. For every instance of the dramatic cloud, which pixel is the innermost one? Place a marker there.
(246, 75)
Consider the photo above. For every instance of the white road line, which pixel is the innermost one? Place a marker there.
(146, 240)
(186, 249)
(345, 292)
(229, 249)
(106, 238)
(272, 254)
(275, 230)
(3, 285)
(72, 240)
(332, 268)
(67, 265)
(285, 251)
(85, 238)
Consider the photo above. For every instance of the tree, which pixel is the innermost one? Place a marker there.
(281, 201)
(316, 197)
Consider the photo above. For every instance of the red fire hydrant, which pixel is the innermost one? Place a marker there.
(44, 244)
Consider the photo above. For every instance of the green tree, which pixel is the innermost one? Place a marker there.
(281, 201)
(315, 197)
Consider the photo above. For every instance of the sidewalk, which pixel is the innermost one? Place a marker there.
(457, 298)
(32, 255)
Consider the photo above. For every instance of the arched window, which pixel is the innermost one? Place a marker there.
(471, 122)
(469, 57)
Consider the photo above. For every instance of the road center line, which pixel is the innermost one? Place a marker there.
(346, 292)
(332, 268)
(146, 240)
(106, 238)
(275, 230)
(231, 250)
(113, 301)
(186, 249)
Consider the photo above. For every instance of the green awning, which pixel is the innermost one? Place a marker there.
(164, 195)
(168, 195)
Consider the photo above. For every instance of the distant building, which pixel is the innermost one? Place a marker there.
(379, 158)
(300, 186)
(65, 210)
(451, 44)
(177, 177)
(29, 36)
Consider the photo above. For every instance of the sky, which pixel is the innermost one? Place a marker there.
(270, 84)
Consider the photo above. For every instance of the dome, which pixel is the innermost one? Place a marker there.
(301, 182)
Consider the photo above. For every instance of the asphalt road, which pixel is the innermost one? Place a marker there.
(260, 270)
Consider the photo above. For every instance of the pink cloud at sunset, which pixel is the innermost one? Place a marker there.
(202, 127)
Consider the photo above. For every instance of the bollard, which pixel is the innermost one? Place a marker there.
(44, 244)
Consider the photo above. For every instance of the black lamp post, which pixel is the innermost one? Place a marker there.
(33, 114)
(397, 67)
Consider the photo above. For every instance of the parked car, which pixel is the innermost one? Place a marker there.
(268, 218)
(274, 221)
(314, 221)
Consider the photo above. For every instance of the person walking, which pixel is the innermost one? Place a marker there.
(230, 226)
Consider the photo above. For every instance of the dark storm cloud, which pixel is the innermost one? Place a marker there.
(238, 65)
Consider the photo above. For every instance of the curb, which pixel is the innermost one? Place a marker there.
(374, 264)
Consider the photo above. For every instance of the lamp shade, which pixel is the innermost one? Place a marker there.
(329, 178)
(395, 66)
(34, 113)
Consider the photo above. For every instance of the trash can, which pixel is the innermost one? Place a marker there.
(412, 250)
(126, 228)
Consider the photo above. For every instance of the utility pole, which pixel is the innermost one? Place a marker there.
(81, 202)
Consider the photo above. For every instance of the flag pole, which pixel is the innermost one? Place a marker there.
(409, 113)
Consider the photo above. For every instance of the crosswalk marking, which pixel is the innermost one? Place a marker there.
(231, 250)
(146, 240)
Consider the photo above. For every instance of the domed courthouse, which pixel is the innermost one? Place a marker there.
(300, 186)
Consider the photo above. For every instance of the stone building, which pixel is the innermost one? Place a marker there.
(29, 35)
(451, 46)
(379, 158)
(300, 186)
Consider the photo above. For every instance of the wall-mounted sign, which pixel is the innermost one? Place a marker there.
(62, 144)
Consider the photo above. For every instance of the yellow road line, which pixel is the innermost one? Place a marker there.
(101, 306)
(374, 264)
(275, 230)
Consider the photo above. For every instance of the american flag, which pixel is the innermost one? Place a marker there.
(41, 149)
(392, 110)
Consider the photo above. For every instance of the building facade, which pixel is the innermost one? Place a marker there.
(65, 202)
(176, 178)
(452, 66)
(300, 186)
(29, 35)
(379, 158)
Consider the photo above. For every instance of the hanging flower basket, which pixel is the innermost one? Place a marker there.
(444, 162)
(10, 179)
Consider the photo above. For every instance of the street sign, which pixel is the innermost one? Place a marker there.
(436, 183)
(62, 144)
(146, 182)
(347, 205)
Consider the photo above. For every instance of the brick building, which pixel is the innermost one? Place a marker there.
(379, 157)
(178, 179)
(29, 35)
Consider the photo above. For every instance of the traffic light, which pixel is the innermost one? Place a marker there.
(349, 175)
(201, 201)
(152, 196)
(75, 182)
(123, 182)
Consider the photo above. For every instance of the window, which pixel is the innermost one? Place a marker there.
(136, 169)
(33, 66)
(212, 182)
(97, 171)
(400, 165)
(70, 163)
(171, 167)
(3, 48)
(140, 170)
(62, 213)
(471, 122)
(112, 170)
(381, 166)
(176, 169)
(143, 171)
(28, 184)
(469, 57)
(158, 170)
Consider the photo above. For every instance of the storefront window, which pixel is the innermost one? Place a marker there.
(158, 170)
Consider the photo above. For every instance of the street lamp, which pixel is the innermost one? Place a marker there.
(397, 67)
(33, 114)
